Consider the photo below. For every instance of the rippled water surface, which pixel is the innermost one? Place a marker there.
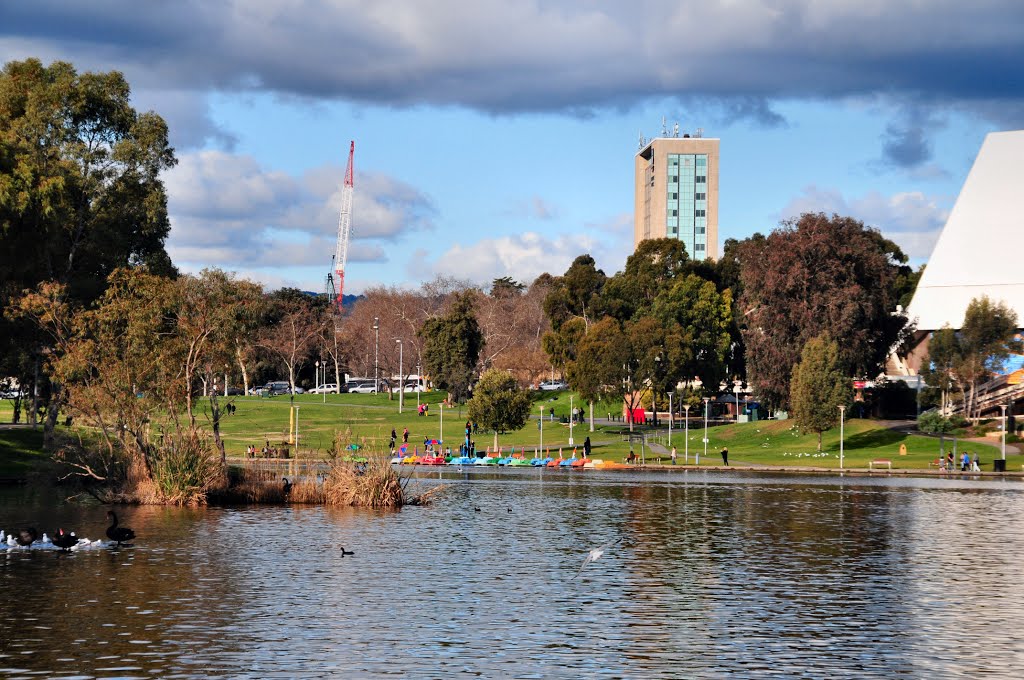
(713, 575)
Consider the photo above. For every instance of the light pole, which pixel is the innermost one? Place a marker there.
(842, 423)
(707, 408)
(440, 430)
(225, 380)
(376, 346)
(417, 388)
(541, 427)
(571, 421)
(670, 419)
(296, 431)
(401, 379)
(1004, 430)
(686, 435)
(323, 380)
(737, 390)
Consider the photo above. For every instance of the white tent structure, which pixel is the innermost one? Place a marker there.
(981, 249)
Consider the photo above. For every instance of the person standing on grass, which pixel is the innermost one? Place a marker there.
(673, 455)
(405, 435)
(725, 456)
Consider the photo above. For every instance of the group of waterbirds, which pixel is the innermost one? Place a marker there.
(67, 541)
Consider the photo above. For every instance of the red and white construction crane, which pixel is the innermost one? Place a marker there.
(344, 228)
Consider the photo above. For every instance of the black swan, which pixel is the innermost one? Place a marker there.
(287, 488)
(116, 533)
(346, 552)
(27, 536)
(64, 540)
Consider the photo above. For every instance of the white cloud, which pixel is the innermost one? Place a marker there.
(525, 256)
(911, 219)
(227, 210)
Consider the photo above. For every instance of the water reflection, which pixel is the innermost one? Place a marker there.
(714, 575)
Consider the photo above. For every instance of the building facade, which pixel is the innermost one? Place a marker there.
(676, 193)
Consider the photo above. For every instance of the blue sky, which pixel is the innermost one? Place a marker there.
(497, 138)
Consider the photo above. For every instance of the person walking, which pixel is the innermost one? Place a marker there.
(405, 435)
(965, 461)
(673, 455)
(976, 464)
(586, 447)
(725, 456)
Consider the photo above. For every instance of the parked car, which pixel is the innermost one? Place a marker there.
(235, 391)
(363, 387)
(274, 388)
(552, 385)
(409, 387)
(327, 388)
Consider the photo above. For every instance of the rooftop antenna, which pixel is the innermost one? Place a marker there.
(664, 130)
(700, 132)
(640, 143)
(675, 130)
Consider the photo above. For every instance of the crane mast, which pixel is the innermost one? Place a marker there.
(344, 227)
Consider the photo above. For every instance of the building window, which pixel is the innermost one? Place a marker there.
(701, 179)
(699, 212)
(700, 230)
(700, 196)
(672, 195)
(699, 246)
(673, 178)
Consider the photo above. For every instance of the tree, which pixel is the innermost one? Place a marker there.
(985, 341)
(295, 324)
(451, 347)
(818, 275)
(499, 404)
(653, 267)
(80, 190)
(697, 319)
(934, 422)
(819, 386)
(599, 369)
(937, 368)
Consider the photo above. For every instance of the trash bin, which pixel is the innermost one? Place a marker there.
(999, 465)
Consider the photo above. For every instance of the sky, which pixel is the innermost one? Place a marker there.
(496, 138)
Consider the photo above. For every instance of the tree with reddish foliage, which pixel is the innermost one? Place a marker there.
(812, 276)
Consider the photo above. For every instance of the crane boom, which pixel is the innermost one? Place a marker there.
(344, 227)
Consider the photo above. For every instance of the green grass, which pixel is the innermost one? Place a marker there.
(21, 450)
(369, 418)
(781, 443)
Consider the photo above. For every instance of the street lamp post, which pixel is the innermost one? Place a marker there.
(737, 390)
(686, 435)
(417, 388)
(670, 419)
(707, 409)
(376, 346)
(842, 423)
(1004, 430)
(296, 431)
(401, 379)
(440, 430)
(541, 427)
(571, 421)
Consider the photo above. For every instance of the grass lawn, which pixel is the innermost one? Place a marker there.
(20, 450)
(367, 419)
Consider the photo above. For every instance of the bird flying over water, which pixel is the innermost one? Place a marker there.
(595, 554)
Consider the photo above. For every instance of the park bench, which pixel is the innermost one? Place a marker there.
(879, 461)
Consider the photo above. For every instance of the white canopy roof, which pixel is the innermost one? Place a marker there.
(981, 249)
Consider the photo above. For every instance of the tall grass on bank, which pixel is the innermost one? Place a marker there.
(186, 468)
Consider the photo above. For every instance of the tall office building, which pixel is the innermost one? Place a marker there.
(677, 193)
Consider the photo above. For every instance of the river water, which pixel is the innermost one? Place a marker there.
(712, 574)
